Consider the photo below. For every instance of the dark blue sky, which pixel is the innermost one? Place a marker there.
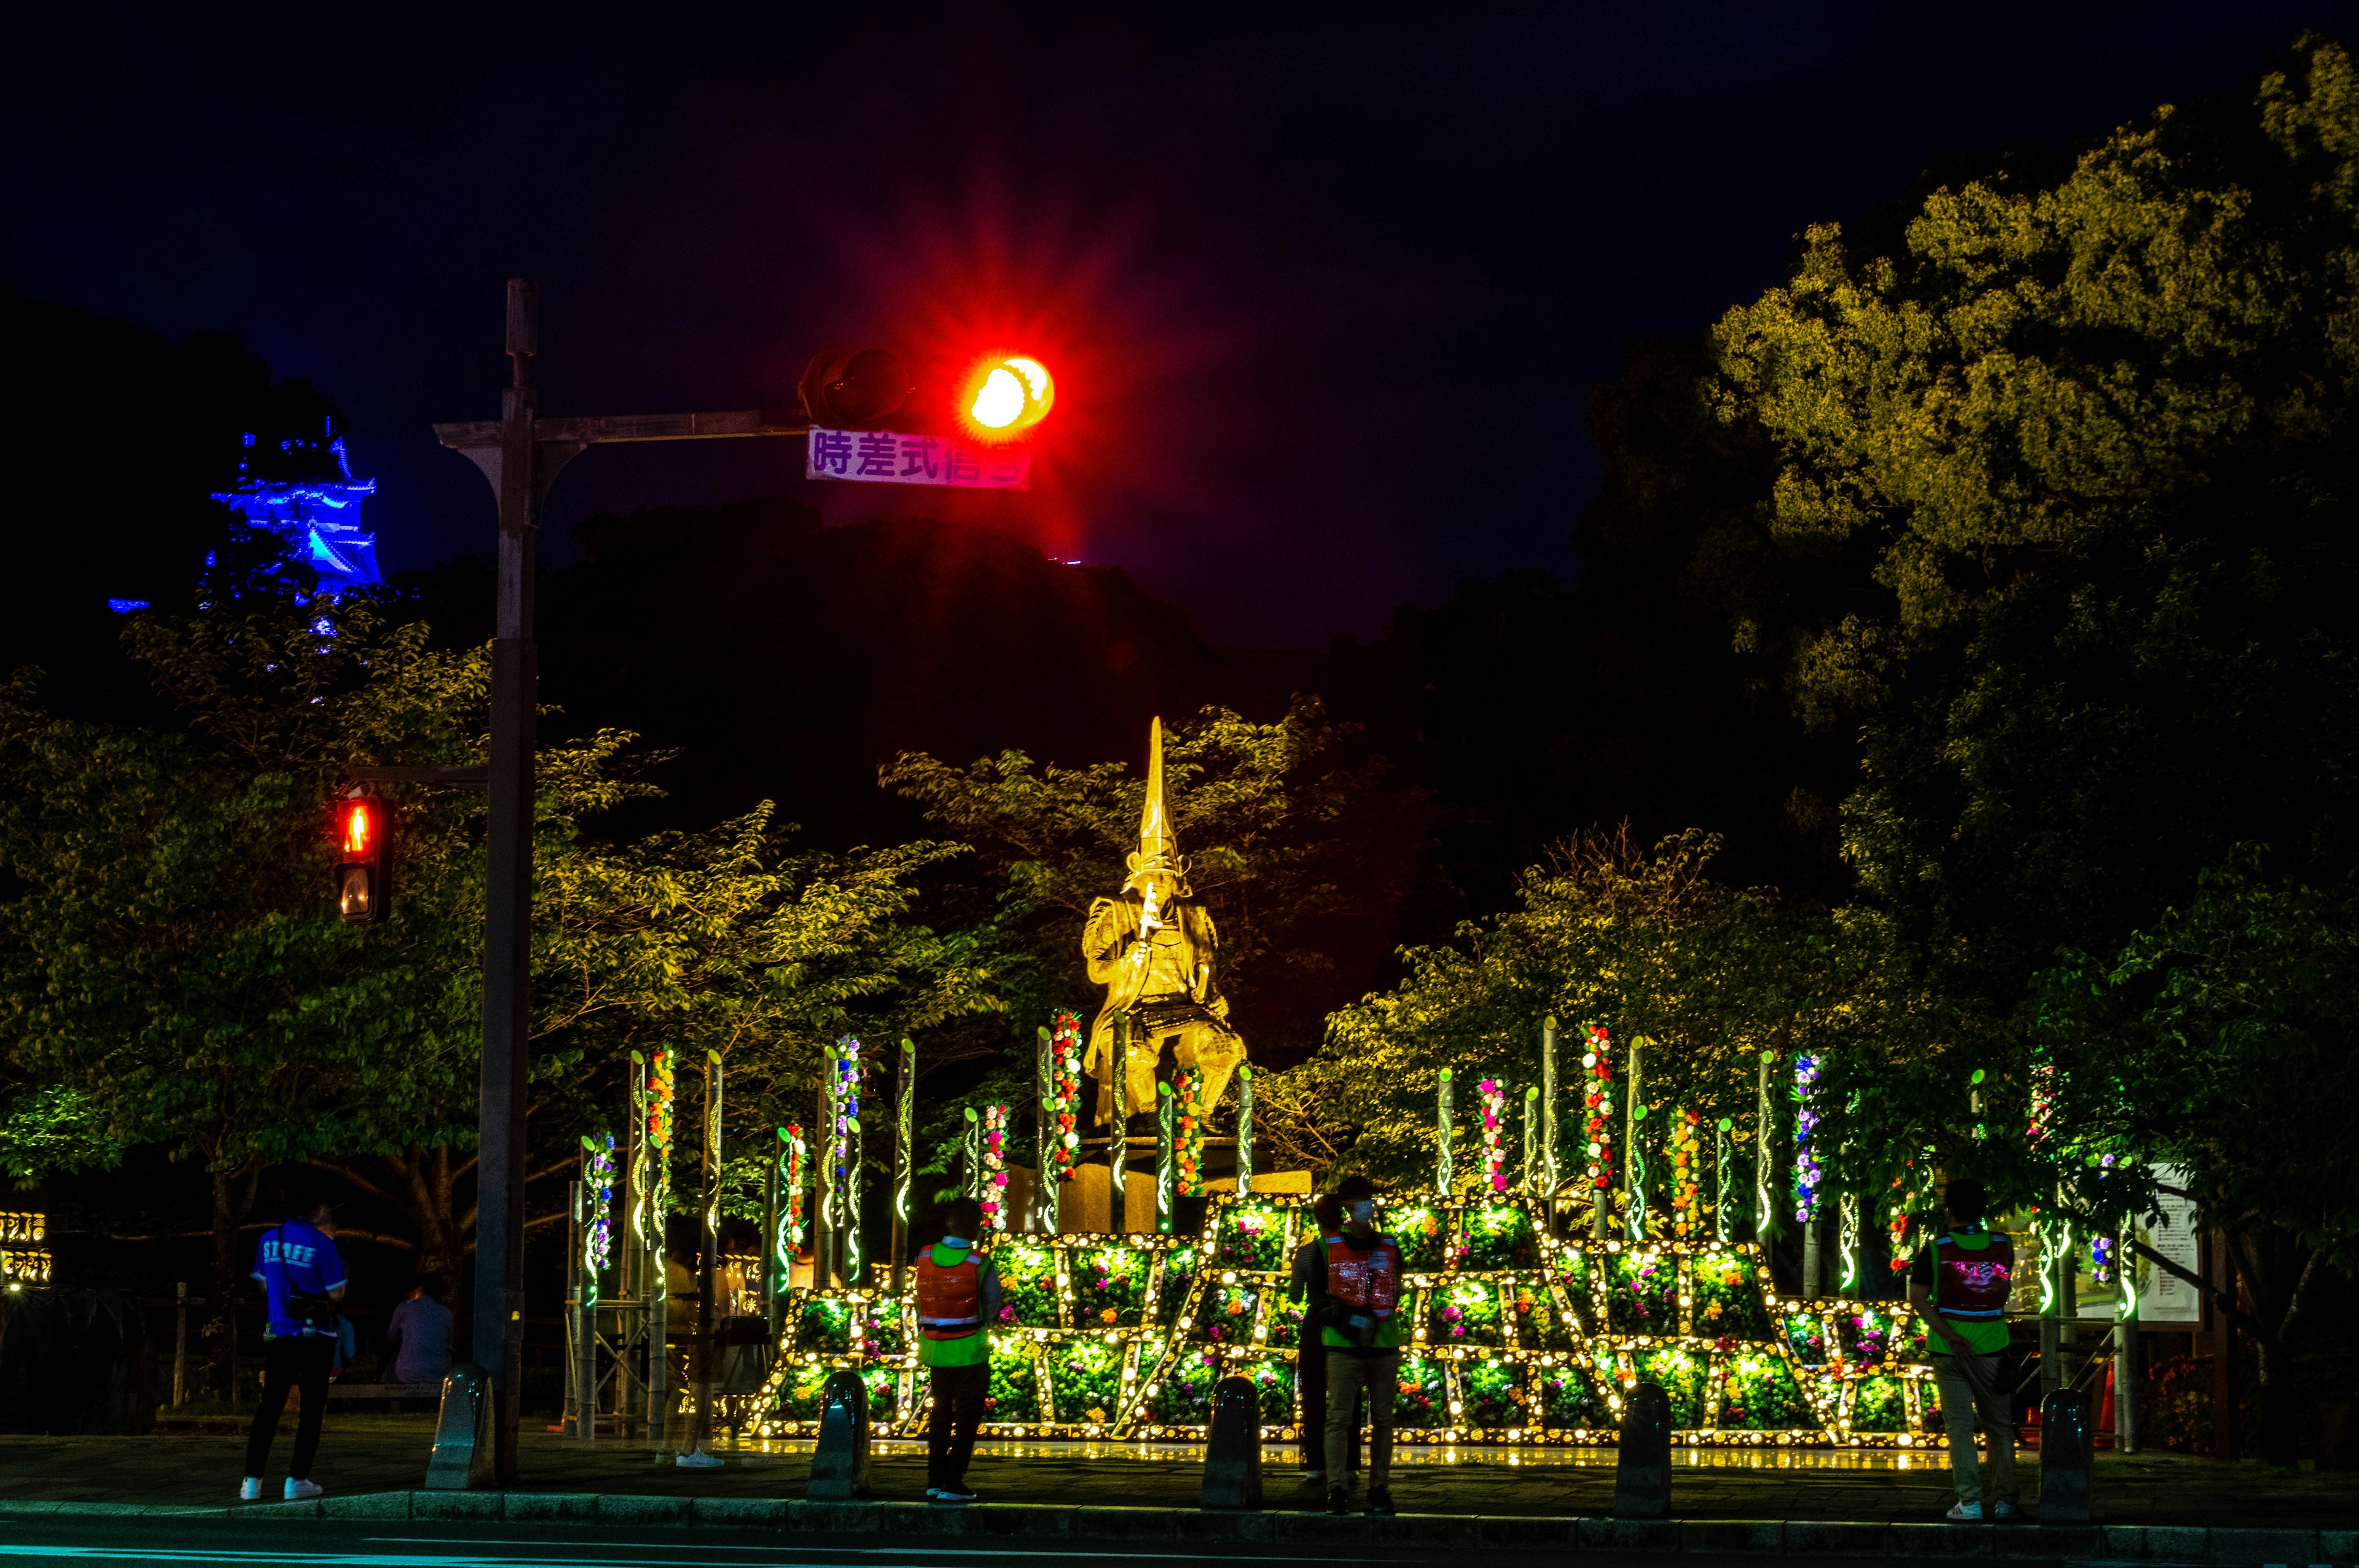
(1326, 285)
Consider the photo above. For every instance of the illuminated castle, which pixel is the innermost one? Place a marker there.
(318, 515)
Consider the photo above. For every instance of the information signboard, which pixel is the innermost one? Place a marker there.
(897, 457)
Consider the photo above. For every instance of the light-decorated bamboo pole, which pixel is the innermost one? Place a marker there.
(905, 1161)
(1165, 1167)
(1549, 1178)
(1245, 1130)
(1443, 1117)
(1634, 1154)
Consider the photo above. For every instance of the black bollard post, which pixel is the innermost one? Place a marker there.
(2068, 1457)
(1233, 1447)
(463, 1455)
(839, 1469)
(1642, 1471)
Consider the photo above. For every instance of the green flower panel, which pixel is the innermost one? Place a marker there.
(1494, 1394)
(824, 1326)
(1086, 1377)
(1422, 1394)
(1728, 1297)
(1027, 1286)
(1014, 1392)
(1422, 1233)
(803, 1392)
(1757, 1393)
(1913, 1335)
(1878, 1405)
(1183, 1396)
(1642, 1295)
(1273, 1384)
(1499, 1235)
(1178, 1272)
(1806, 1334)
(1285, 1317)
(880, 1329)
(1109, 1287)
(1463, 1311)
(1227, 1315)
(1681, 1374)
(1568, 1399)
(1252, 1236)
(1538, 1325)
(1865, 1337)
(884, 1385)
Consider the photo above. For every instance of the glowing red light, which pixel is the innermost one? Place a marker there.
(1005, 395)
(360, 828)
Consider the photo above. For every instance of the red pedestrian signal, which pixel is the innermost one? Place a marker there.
(364, 860)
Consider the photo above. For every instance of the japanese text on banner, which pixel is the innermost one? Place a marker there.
(896, 457)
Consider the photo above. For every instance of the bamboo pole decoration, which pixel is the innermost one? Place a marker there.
(1531, 1179)
(1723, 1221)
(1118, 1130)
(995, 1168)
(830, 1207)
(905, 1155)
(1245, 1130)
(1634, 1156)
(1549, 1176)
(970, 1157)
(1043, 1138)
(1765, 1214)
(787, 1235)
(1442, 1118)
(1597, 1062)
(852, 1149)
(1163, 1160)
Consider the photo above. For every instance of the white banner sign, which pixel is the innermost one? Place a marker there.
(2166, 1298)
(894, 456)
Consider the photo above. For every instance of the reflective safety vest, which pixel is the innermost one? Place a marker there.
(1973, 1281)
(949, 1301)
(1370, 1278)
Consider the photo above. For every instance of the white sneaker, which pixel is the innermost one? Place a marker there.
(250, 1489)
(298, 1490)
(1967, 1513)
(700, 1460)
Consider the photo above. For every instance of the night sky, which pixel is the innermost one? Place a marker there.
(1325, 286)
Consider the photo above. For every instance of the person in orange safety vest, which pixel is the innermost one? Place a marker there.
(1362, 1329)
(958, 1300)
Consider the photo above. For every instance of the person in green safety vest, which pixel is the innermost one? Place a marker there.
(958, 1298)
(1362, 1327)
(1959, 1285)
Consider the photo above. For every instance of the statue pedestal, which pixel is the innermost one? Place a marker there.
(1086, 1205)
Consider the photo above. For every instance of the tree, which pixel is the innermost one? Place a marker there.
(2060, 523)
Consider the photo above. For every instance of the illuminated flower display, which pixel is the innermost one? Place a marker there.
(598, 1182)
(1027, 1286)
(1808, 1176)
(1252, 1236)
(1466, 1313)
(1085, 1376)
(995, 1167)
(1188, 1149)
(1109, 1286)
(1065, 1104)
(1495, 1149)
(1642, 1294)
(1419, 1233)
(1421, 1397)
(1015, 1391)
(1499, 1235)
(1495, 1394)
(1597, 1103)
(1686, 1135)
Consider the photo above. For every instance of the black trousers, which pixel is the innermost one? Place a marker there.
(287, 1364)
(950, 1430)
(1310, 1401)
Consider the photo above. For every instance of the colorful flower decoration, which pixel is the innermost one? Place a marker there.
(1686, 1187)
(1808, 1176)
(1598, 1103)
(1065, 1092)
(661, 1069)
(598, 1184)
(995, 1167)
(1494, 1150)
(1190, 1151)
(794, 1154)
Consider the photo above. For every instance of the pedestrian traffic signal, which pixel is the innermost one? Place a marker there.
(1003, 395)
(364, 860)
(846, 389)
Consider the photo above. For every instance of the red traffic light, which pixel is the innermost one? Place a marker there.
(1003, 396)
(364, 860)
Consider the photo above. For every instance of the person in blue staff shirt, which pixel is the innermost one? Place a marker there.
(304, 1279)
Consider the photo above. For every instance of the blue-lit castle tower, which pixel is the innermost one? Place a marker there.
(320, 516)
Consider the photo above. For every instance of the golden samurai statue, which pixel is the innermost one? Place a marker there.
(1155, 951)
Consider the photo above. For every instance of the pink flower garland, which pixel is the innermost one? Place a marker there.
(1494, 1154)
(995, 1168)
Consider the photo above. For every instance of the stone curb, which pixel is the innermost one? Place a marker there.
(2198, 1546)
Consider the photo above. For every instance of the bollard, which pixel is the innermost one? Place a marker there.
(1642, 1471)
(463, 1432)
(1233, 1447)
(2068, 1457)
(839, 1469)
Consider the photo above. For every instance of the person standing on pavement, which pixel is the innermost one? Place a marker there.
(958, 1295)
(1307, 1284)
(303, 1279)
(1361, 1330)
(1959, 1286)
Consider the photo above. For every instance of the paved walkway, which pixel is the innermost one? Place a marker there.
(372, 1454)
